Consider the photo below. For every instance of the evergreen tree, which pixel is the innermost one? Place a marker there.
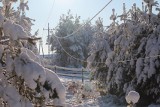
(72, 49)
(23, 79)
(133, 63)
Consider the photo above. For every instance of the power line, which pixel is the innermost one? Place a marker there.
(120, 61)
(50, 13)
(147, 57)
(77, 31)
(79, 27)
(85, 23)
(68, 53)
(100, 10)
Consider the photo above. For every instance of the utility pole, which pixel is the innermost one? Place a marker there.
(48, 38)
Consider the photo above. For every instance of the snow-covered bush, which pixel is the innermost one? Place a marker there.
(23, 79)
(83, 91)
(99, 49)
(132, 97)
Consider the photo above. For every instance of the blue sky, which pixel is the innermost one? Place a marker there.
(42, 11)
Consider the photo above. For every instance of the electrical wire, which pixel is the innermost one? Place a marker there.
(120, 61)
(68, 53)
(77, 31)
(78, 28)
(81, 28)
(49, 15)
(85, 23)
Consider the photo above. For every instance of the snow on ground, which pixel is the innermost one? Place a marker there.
(105, 101)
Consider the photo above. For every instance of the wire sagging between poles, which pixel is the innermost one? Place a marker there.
(85, 23)
(77, 31)
(119, 61)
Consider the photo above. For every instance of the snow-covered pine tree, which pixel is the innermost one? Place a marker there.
(99, 49)
(74, 45)
(67, 25)
(24, 82)
(85, 36)
(133, 63)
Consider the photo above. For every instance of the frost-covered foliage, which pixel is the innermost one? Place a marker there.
(24, 82)
(133, 62)
(75, 45)
(83, 91)
(99, 48)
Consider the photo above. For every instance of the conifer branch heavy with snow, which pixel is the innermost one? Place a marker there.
(23, 79)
